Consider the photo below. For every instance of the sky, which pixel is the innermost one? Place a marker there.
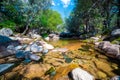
(64, 7)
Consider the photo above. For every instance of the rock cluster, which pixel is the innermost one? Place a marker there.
(35, 59)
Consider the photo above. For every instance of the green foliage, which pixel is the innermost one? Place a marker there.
(54, 20)
(34, 13)
(116, 41)
(50, 20)
(44, 20)
(25, 13)
(8, 24)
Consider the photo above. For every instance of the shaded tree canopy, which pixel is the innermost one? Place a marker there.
(91, 16)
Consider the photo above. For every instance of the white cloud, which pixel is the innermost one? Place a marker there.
(53, 3)
(65, 3)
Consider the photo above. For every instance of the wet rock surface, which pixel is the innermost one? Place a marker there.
(57, 59)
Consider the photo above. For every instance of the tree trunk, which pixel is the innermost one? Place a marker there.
(25, 31)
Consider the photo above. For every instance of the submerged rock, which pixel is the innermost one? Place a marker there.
(4, 67)
(79, 74)
(34, 70)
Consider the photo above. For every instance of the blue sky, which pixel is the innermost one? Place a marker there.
(64, 7)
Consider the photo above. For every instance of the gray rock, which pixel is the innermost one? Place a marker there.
(109, 49)
(4, 52)
(20, 47)
(53, 37)
(5, 67)
(104, 44)
(35, 48)
(10, 47)
(80, 74)
(34, 57)
(113, 50)
(115, 32)
(6, 32)
(27, 55)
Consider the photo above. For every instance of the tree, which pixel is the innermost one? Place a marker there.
(24, 11)
(50, 20)
(89, 16)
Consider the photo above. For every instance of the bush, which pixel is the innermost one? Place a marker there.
(8, 24)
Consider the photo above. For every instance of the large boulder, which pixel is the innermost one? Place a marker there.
(109, 49)
(6, 32)
(80, 74)
(115, 32)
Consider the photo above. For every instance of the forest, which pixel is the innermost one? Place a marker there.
(39, 43)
